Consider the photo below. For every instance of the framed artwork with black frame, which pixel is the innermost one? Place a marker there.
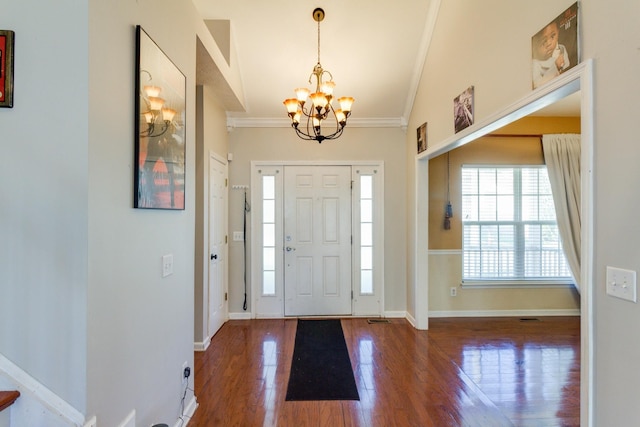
(160, 113)
(6, 68)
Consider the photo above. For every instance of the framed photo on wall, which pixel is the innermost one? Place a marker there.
(463, 110)
(6, 68)
(554, 49)
(160, 112)
(422, 137)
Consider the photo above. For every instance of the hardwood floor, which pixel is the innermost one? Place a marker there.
(461, 372)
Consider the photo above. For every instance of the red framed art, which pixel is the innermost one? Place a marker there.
(6, 68)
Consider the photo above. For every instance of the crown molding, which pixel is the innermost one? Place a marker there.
(259, 122)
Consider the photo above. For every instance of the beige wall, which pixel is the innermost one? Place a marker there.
(356, 144)
(445, 265)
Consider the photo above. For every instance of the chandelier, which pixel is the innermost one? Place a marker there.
(315, 110)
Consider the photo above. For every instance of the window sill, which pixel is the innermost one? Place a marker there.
(516, 284)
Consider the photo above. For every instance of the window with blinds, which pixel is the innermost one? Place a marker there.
(509, 229)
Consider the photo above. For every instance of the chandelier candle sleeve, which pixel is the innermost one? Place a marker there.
(315, 109)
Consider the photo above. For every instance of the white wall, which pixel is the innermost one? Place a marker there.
(611, 36)
(487, 44)
(140, 325)
(281, 144)
(83, 307)
(44, 198)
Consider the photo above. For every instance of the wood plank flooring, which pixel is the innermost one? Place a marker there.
(461, 372)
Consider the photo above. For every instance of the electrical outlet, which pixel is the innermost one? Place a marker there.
(167, 265)
(621, 283)
(185, 373)
(454, 291)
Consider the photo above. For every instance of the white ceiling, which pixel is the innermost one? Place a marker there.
(374, 49)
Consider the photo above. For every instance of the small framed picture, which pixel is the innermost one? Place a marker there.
(554, 49)
(6, 68)
(463, 110)
(422, 137)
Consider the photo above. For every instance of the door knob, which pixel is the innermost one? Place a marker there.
(289, 249)
(214, 256)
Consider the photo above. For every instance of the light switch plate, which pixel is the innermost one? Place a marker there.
(238, 236)
(621, 283)
(167, 265)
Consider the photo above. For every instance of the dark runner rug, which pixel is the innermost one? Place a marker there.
(321, 369)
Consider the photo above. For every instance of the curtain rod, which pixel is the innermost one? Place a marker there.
(514, 135)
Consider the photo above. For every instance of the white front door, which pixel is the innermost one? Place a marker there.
(217, 244)
(317, 240)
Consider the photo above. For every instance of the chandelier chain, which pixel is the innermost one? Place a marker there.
(318, 42)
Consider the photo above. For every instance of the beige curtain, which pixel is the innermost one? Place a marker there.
(562, 157)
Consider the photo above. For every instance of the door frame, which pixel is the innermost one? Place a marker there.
(272, 306)
(579, 78)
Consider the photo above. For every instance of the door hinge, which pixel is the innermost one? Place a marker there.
(352, 185)
(226, 182)
(226, 296)
(226, 239)
(351, 294)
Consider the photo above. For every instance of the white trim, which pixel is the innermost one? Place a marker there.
(370, 304)
(28, 385)
(421, 245)
(421, 57)
(516, 284)
(256, 227)
(445, 252)
(245, 315)
(279, 163)
(395, 314)
(189, 410)
(587, 374)
(411, 320)
(202, 346)
(504, 313)
(130, 421)
(278, 122)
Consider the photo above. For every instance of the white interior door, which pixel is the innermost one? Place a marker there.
(217, 244)
(317, 240)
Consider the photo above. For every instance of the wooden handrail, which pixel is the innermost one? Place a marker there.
(7, 398)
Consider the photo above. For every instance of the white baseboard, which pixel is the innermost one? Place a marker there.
(189, 410)
(202, 346)
(395, 314)
(504, 313)
(411, 320)
(29, 387)
(240, 316)
(130, 421)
